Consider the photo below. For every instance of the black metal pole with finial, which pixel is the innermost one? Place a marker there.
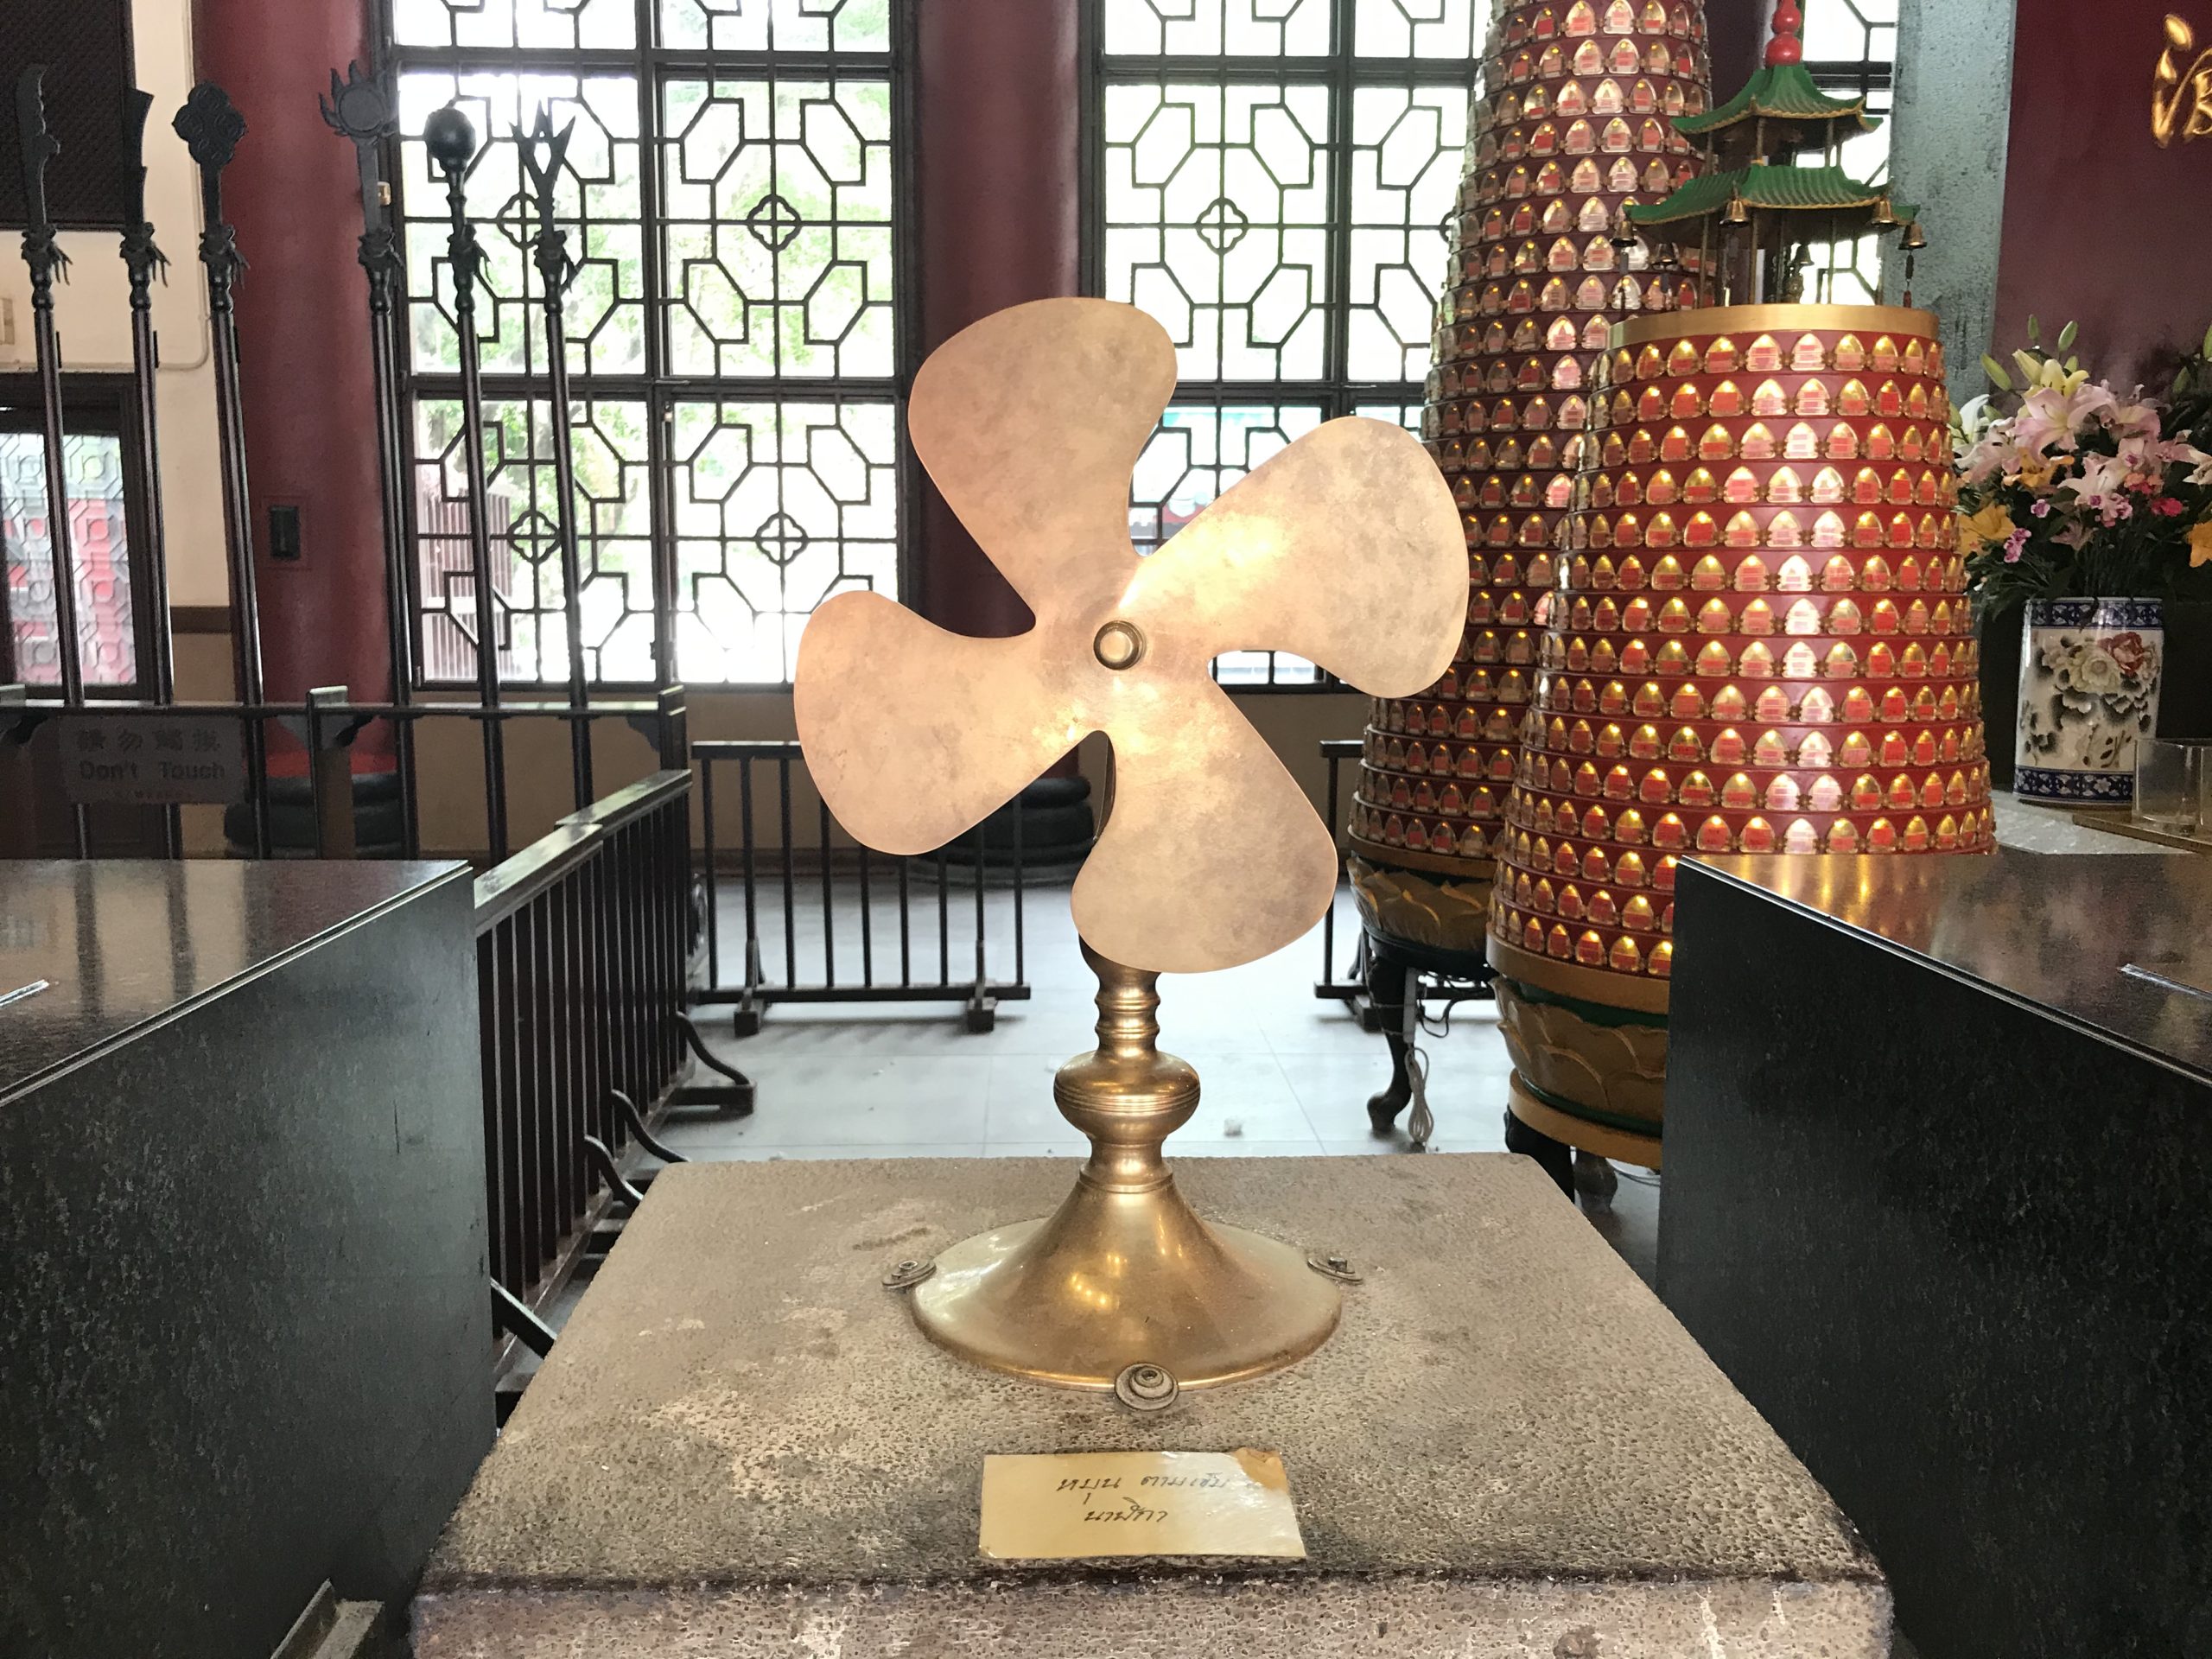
(544, 151)
(210, 127)
(144, 261)
(362, 108)
(451, 140)
(43, 254)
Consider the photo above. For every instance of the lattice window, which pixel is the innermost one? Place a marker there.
(733, 195)
(99, 548)
(1851, 49)
(1274, 180)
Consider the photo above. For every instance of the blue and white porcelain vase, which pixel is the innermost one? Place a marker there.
(2090, 672)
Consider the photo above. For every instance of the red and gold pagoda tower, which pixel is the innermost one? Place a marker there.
(1759, 640)
(1576, 123)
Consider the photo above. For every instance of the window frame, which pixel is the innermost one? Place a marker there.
(654, 386)
(1336, 392)
(1865, 77)
(103, 404)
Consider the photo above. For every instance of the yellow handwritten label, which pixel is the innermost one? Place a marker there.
(2181, 86)
(1094, 1505)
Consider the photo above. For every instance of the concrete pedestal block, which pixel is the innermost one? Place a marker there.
(743, 1446)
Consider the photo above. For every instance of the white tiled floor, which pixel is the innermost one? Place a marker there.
(1282, 1071)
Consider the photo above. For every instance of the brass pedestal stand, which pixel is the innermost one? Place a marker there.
(1124, 1273)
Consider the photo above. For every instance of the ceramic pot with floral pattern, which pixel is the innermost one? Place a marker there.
(2090, 672)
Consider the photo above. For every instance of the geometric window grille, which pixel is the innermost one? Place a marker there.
(734, 332)
(99, 551)
(1272, 180)
(1851, 49)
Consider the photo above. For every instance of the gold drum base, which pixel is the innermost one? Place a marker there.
(1124, 1273)
(1601, 1139)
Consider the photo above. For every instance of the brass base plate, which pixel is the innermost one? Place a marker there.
(1114, 1280)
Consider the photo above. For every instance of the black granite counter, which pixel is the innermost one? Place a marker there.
(1939, 1138)
(2121, 946)
(244, 1333)
(124, 942)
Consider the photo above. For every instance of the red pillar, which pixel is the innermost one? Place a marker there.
(303, 344)
(996, 101)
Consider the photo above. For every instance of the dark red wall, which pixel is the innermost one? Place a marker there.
(1736, 33)
(2101, 225)
(303, 343)
(997, 106)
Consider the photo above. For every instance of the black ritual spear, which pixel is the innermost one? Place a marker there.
(362, 108)
(451, 140)
(43, 254)
(543, 153)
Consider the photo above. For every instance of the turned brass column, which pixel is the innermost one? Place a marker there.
(1124, 1273)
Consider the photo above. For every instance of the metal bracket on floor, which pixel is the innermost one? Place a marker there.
(733, 1096)
(634, 1120)
(745, 1019)
(514, 1316)
(627, 1196)
(331, 1629)
(983, 1009)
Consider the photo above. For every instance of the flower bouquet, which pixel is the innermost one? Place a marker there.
(2067, 489)
(2091, 508)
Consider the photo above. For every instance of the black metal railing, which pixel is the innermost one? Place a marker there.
(326, 724)
(901, 923)
(1351, 990)
(585, 941)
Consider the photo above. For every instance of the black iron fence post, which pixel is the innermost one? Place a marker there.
(1337, 751)
(330, 771)
(360, 108)
(211, 128)
(451, 140)
(675, 724)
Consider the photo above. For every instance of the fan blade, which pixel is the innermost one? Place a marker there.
(1344, 549)
(1211, 855)
(1030, 422)
(913, 733)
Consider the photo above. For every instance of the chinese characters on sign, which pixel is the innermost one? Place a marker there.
(2181, 98)
(171, 759)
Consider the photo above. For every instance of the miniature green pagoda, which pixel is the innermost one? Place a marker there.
(1753, 203)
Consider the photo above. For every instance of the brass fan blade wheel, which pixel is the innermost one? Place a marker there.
(1124, 1273)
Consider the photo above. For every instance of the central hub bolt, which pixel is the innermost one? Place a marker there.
(1119, 645)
